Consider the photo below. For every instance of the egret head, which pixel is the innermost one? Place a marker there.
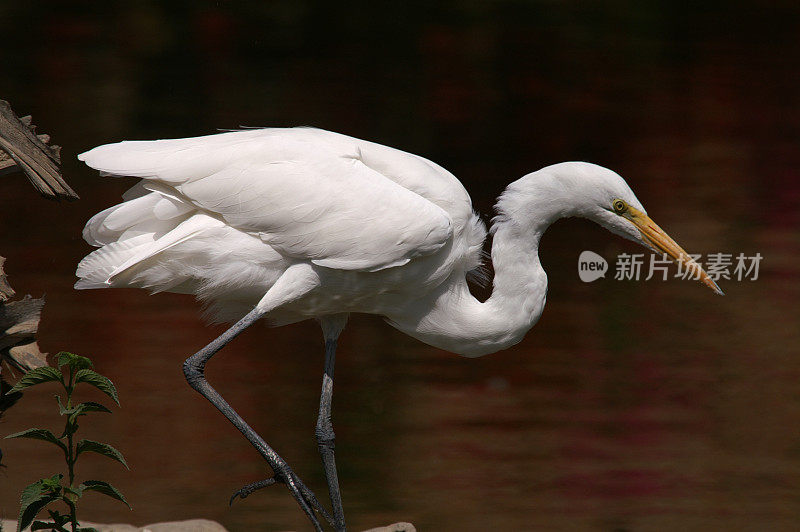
(616, 208)
(599, 194)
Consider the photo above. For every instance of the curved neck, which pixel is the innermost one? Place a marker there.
(519, 288)
(454, 319)
(458, 322)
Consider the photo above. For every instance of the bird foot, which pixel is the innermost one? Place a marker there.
(304, 496)
(244, 491)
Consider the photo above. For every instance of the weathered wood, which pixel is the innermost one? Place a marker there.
(6, 292)
(19, 323)
(19, 320)
(26, 151)
(9, 165)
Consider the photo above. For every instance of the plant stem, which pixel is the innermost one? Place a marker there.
(70, 458)
(73, 512)
(73, 516)
(69, 430)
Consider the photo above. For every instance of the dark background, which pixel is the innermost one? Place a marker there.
(630, 406)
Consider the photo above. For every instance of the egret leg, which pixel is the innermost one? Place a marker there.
(326, 437)
(194, 370)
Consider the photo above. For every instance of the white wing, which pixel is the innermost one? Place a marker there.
(306, 197)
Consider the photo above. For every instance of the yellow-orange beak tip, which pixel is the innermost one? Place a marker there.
(661, 242)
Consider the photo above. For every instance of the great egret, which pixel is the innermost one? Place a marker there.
(291, 224)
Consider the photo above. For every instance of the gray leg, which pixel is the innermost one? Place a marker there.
(194, 368)
(326, 437)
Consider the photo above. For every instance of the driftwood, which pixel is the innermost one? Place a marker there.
(19, 323)
(22, 149)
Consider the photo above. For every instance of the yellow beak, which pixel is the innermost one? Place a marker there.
(661, 242)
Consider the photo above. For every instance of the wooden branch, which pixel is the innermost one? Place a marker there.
(19, 323)
(6, 292)
(22, 149)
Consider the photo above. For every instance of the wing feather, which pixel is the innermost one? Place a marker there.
(305, 199)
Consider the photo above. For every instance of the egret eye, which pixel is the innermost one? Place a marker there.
(619, 206)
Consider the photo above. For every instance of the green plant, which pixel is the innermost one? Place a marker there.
(72, 370)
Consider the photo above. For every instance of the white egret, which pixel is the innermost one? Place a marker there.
(291, 224)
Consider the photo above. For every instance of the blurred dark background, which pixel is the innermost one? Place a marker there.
(630, 406)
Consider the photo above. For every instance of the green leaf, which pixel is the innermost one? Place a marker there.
(39, 434)
(105, 488)
(44, 525)
(81, 408)
(76, 362)
(61, 409)
(53, 483)
(58, 523)
(89, 406)
(73, 494)
(100, 382)
(71, 427)
(85, 446)
(35, 497)
(37, 376)
(57, 517)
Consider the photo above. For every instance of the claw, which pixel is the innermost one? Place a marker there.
(243, 492)
(305, 494)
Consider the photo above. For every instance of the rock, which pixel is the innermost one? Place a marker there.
(192, 525)
(397, 527)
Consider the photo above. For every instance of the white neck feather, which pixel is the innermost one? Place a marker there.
(460, 323)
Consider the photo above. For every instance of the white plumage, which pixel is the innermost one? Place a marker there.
(223, 216)
(380, 230)
(291, 224)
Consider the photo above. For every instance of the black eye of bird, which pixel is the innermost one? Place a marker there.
(619, 206)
